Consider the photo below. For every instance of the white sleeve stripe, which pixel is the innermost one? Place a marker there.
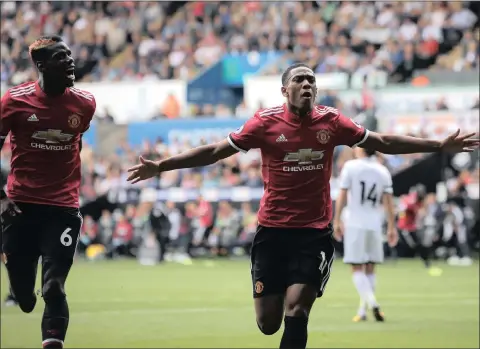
(230, 141)
(362, 140)
(388, 190)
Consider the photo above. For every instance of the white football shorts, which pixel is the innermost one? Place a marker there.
(362, 246)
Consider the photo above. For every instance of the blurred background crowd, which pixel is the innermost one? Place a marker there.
(150, 42)
(127, 40)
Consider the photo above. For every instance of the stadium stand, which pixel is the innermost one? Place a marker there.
(150, 40)
(153, 41)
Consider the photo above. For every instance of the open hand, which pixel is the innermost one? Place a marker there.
(458, 144)
(145, 170)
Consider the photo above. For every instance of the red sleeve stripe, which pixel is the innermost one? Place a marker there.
(22, 92)
(271, 111)
(81, 93)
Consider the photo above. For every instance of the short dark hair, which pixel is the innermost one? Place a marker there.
(287, 71)
(36, 49)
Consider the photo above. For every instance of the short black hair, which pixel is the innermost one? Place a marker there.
(370, 152)
(287, 71)
(37, 50)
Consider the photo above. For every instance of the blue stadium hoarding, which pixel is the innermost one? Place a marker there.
(193, 130)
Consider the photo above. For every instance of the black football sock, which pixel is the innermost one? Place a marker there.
(462, 250)
(295, 333)
(424, 253)
(55, 322)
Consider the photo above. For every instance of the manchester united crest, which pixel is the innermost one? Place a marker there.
(74, 121)
(323, 136)
(258, 287)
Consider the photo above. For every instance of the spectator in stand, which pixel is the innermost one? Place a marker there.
(224, 235)
(328, 98)
(178, 235)
(164, 40)
(89, 234)
(136, 41)
(121, 244)
(249, 226)
(204, 215)
(106, 226)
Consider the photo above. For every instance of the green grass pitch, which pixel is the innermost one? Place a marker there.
(121, 304)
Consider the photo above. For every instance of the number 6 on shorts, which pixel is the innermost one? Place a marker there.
(65, 238)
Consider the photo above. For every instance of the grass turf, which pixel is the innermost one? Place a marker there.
(122, 304)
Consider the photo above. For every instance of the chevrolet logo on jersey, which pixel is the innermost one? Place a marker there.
(52, 136)
(304, 156)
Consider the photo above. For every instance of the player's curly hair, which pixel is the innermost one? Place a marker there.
(287, 71)
(35, 50)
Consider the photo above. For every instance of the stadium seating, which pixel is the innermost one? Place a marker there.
(140, 40)
(145, 41)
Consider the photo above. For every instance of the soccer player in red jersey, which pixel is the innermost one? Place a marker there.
(41, 217)
(411, 205)
(292, 252)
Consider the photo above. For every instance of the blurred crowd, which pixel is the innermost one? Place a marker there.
(155, 230)
(398, 37)
(127, 40)
(139, 40)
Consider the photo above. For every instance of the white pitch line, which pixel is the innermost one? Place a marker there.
(159, 311)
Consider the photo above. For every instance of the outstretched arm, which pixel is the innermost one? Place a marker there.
(196, 157)
(249, 136)
(396, 144)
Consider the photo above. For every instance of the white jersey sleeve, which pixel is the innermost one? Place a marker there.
(388, 182)
(345, 177)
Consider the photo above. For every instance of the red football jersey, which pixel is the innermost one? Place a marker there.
(409, 207)
(45, 142)
(297, 159)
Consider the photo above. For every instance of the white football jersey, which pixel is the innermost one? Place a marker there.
(366, 180)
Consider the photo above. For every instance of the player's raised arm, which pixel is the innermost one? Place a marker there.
(246, 137)
(396, 144)
(352, 134)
